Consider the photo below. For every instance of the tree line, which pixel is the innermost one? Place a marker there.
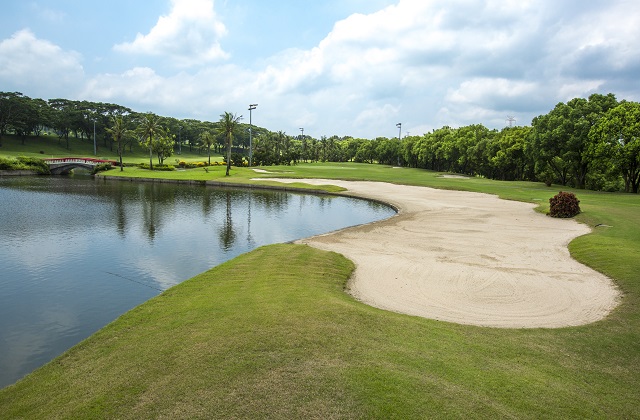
(589, 142)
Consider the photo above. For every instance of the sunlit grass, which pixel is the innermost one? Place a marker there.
(272, 334)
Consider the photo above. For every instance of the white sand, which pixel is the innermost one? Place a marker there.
(468, 258)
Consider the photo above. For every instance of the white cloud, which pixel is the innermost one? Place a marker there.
(39, 65)
(189, 35)
(182, 95)
(423, 63)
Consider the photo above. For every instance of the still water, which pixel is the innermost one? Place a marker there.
(75, 253)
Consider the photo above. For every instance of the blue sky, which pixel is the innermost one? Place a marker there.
(344, 67)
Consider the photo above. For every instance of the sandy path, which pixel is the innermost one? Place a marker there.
(469, 258)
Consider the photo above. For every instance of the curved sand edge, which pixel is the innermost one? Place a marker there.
(468, 258)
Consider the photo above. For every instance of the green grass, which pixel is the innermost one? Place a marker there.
(50, 147)
(272, 334)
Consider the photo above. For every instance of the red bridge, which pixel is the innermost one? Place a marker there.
(60, 166)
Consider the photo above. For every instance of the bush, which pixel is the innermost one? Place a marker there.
(32, 164)
(101, 167)
(157, 167)
(164, 167)
(237, 159)
(564, 204)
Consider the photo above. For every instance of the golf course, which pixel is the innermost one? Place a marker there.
(274, 333)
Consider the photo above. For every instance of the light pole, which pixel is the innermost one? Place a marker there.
(302, 129)
(251, 108)
(179, 139)
(399, 125)
(95, 149)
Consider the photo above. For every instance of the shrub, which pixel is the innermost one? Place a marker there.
(33, 164)
(157, 167)
(101, 167)
(6, 164)
(237, 159)
(564, 204)
(23, 163)
(164, 167)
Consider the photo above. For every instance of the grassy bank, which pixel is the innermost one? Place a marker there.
(272, 334)
(51, 146)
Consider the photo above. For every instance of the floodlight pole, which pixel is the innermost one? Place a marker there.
(95, 149)
(399, 125)
(251, 108)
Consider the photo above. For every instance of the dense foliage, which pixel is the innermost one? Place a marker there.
(564, 204)
(23, 163)
(591, 143)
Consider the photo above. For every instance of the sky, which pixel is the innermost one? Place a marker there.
(332, 67)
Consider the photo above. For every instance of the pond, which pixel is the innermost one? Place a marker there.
(78, 252)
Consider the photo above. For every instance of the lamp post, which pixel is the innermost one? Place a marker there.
(399, 125)
(179, 139)
(251, 108)
(95, 149)
(302, 130)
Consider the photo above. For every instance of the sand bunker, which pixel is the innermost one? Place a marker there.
(468, 258)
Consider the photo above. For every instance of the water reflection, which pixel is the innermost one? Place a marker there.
(227, 233)
(77, 253)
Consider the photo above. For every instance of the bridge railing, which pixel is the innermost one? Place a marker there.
(88, 161)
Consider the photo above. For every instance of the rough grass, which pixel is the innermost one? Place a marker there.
(272, 334)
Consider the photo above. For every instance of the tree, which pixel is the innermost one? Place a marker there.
(64, 117)
(163, 147)
(228, 125)
(119, 132)
(26, 117)
(561, 137)
(386, 150)
(44, 115)
(208, 139)
(510, 160)
(148, 129)
(616, 138)
(10, 105)
(365, 152)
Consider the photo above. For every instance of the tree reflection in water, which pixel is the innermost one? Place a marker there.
(227, 233)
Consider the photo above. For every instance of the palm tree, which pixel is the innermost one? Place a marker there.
(207, 139)
(228, 124)
(119, 131)
(148, 128)
(280, 152)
